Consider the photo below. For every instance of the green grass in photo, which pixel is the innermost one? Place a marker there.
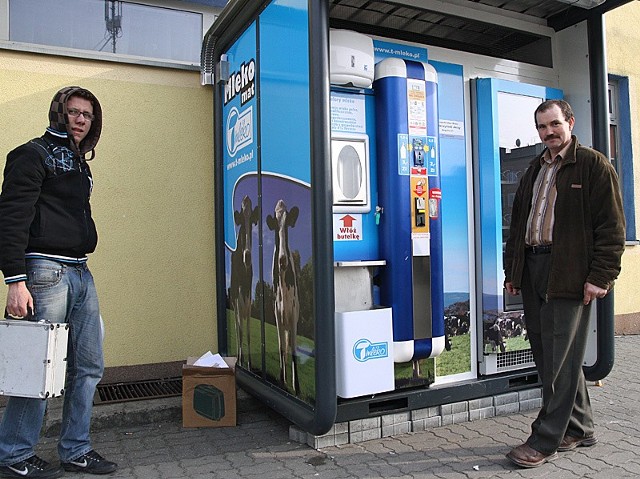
(410, 374)
(458, 360)
(306, 363)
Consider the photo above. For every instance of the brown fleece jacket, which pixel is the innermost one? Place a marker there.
(588, 229)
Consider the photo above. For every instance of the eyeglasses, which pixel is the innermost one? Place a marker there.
(75, 112)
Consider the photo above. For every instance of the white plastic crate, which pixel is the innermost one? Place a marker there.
(364, 352)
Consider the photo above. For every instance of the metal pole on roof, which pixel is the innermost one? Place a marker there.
(600, 121)
(599, 83)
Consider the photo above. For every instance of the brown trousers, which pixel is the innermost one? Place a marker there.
(557, 330)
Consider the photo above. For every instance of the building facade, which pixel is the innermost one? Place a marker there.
(154, 188)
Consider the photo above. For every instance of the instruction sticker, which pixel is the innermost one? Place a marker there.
(417, 107)
(347, 113)
(347, 227)
(404, 162)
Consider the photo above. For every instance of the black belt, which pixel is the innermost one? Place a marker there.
(539, 249)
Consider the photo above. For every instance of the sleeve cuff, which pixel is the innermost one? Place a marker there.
(15, 279)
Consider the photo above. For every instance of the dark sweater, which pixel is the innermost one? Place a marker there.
(44, 205)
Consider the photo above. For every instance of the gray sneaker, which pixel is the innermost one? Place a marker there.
(33, 467)
(90, 463)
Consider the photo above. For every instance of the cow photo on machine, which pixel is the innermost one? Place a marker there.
(242, 277)
(286, 271)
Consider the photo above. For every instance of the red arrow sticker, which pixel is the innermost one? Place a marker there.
(347, 221)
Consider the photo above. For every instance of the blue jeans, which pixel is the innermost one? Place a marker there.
(62, 293)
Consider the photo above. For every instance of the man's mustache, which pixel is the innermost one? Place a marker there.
(551, 137)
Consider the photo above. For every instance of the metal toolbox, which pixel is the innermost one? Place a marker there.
(33, 358)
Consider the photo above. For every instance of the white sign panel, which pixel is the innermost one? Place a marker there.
(452, 128)
(347, 227)
(347, 113)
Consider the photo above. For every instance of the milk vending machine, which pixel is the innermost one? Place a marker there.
(386, 215)
(337, 176)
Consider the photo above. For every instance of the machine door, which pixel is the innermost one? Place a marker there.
(505, 140)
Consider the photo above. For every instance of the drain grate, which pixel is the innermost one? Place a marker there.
(138, 390)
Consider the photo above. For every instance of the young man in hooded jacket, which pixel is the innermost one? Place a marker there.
(46, 231)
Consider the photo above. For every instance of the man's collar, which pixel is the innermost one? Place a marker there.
(546, 156)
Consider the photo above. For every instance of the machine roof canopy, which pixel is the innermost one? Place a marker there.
(518, 30)
(468, 25)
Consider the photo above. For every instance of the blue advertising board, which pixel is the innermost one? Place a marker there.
(266, 175)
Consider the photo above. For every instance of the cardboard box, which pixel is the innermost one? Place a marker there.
(208, 395)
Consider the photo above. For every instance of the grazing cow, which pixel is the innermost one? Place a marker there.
(512, 326)
(521, 327)
(523, 324)
(508, 327)
(454, 325)
(493, 336)
(285, 289)
(242, 275)
(449, 330)
(463, 325)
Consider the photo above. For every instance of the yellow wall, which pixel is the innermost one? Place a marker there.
(623, 40)
(152, 198)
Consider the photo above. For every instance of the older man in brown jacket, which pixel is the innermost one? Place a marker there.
(564, 250)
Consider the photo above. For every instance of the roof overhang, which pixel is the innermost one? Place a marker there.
(509, 29)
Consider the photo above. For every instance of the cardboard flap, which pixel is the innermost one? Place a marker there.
(189, 369)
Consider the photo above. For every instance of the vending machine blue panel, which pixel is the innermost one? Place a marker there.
(355, 230)
(272, 139)
(409, 196)
(240, 167)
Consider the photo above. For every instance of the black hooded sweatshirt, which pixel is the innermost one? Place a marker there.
(44, 204)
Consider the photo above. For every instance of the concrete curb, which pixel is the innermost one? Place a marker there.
(133, 413)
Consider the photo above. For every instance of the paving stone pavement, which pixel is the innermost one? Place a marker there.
(259, 447)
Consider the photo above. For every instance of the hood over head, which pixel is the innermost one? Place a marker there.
(59, 119)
